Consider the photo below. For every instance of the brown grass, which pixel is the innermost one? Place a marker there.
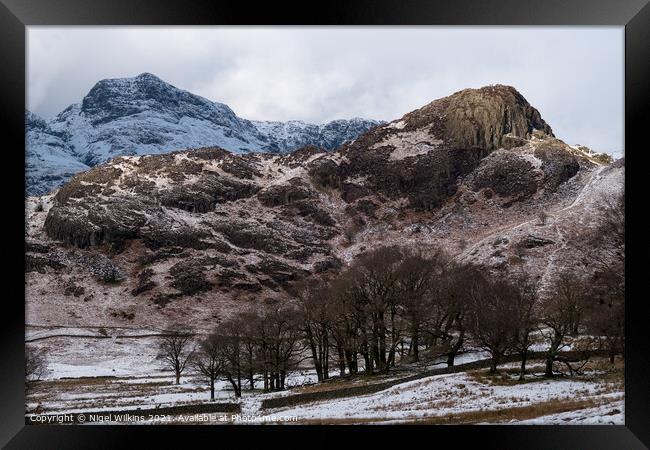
(555, 406)
(473, 417)
(504, 377)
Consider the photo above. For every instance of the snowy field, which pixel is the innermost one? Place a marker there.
(89, 371)
(469, 397)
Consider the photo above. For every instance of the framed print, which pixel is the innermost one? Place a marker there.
(379, 217)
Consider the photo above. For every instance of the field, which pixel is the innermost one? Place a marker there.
(92, 373)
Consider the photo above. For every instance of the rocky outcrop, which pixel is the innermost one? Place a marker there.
(558, 164)
(484, 117)
(283, 194)
(506, 174)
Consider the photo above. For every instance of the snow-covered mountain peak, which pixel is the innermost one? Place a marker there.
(115, 98)
(146, 115)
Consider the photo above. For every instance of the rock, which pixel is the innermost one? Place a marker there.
(103, 268)
(333, 264)
(189, 279)
(39, 264)
(284, 194)
(144, 282)
(73, 289)
(559, 165)
(483, 117)
(250, 235)
(324, 173)
(505, 174)
(35, 247)
(531, 241)
(279, 272)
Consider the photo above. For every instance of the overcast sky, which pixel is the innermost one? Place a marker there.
(573, 75)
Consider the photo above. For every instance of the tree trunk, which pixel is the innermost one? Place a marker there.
(451, 356)
(326, 354)
(369, 364)
(341, 360)
(415, 344)
(494, 363)
(315, 356)
(351, 360)
(238, 381)
(178, 377)
(212, 390)
(552, 352)
(612, 355)
(549, 366)
(522, 373)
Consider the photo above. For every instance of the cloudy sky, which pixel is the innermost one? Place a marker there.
(574, 76)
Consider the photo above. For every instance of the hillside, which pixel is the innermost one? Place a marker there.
(196, 235)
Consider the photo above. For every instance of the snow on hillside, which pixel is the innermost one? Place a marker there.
(145, 115)
(50, 160)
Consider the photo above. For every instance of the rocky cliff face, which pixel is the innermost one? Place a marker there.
(145, 115)
(201, 232)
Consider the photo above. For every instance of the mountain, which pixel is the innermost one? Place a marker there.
(192, 235)
(50, 160)
(295, 134)
(145, 115)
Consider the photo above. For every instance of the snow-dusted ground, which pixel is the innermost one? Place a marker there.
(611, 413)
(122, 373)
(453, 394)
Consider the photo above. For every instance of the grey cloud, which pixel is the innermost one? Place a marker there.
(573, 75)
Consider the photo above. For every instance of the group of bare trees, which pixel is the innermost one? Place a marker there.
(389, 304)
(606, 274)
(266, 345)
(394, 305)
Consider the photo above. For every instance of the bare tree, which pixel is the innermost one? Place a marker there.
(209, 361)
(492, 316)
(35, 364)
(314, 316)
(606, 310)
(607, 282)
(279, 344)
(345, 322)
(247, 327)
(228, 337)
(562, 312)
(454, 304)
(175, 349)
(525, 318)
(377, 297)
(416, 277)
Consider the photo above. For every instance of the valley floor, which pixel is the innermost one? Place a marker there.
(125, 376)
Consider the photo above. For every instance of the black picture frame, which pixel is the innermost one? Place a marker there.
(15, 15)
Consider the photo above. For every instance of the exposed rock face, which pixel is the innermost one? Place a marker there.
(183, 230)
(483, 117)
(145, 115)
(506, 174)
(558, 165)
